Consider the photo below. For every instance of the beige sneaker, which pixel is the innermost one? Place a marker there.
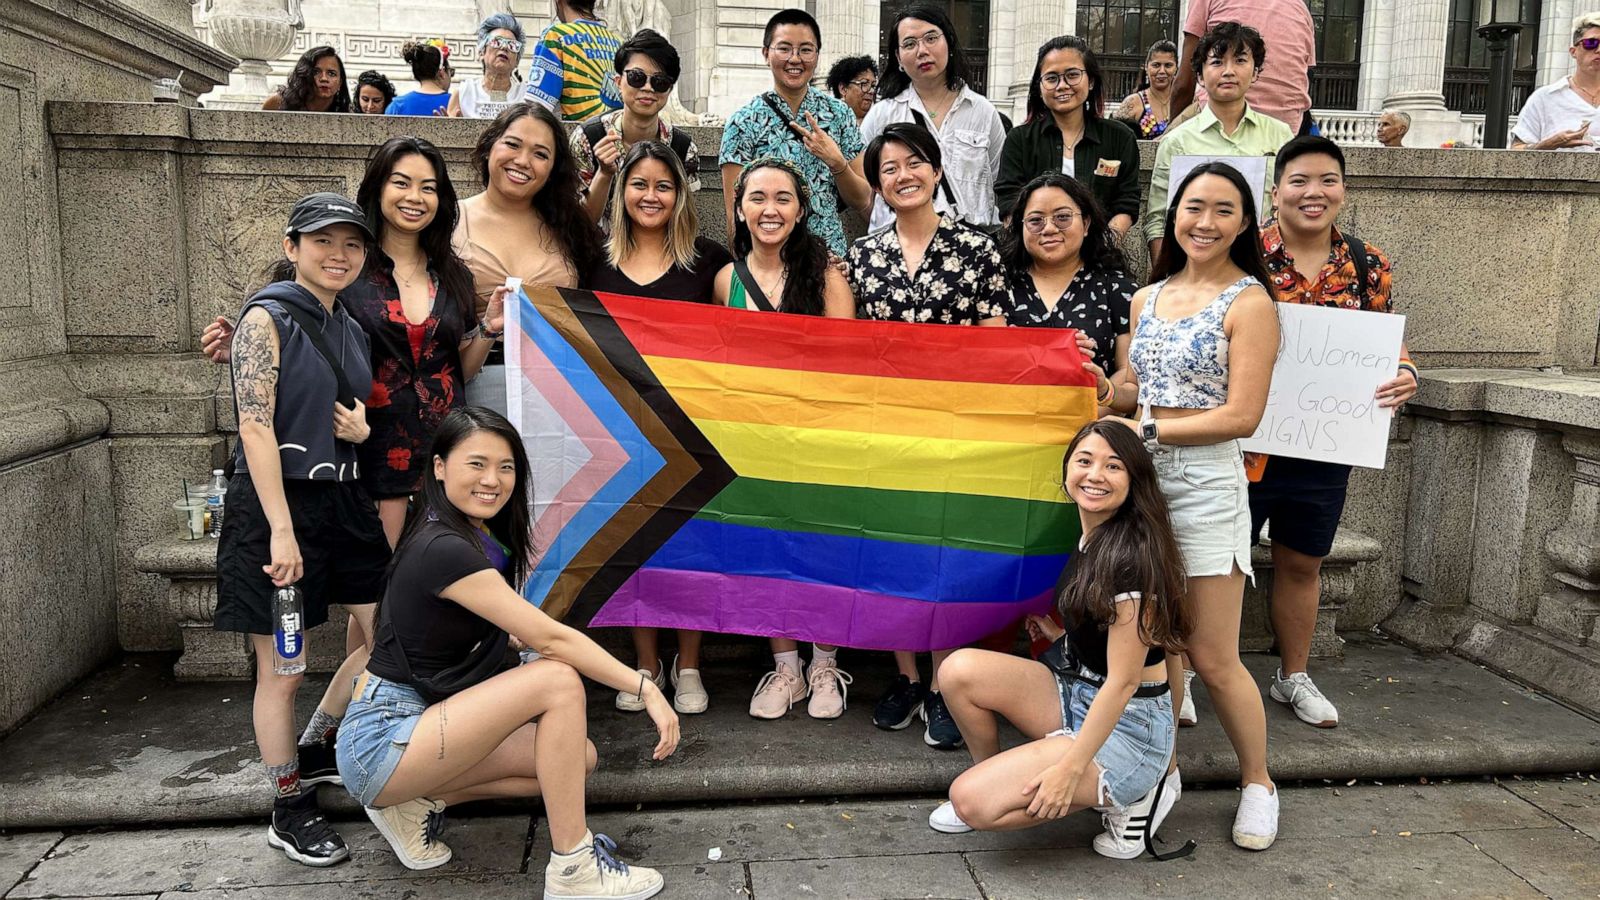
(828, 689)
(777, 693)
(412, 829)
(592, 873)
(688, 691)
(633, 702)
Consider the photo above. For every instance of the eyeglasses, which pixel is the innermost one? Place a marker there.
(1062, 221)
(658, 82)
(930, 40)
(1054, 79)
(864, 85)
(510, 45)
(787, 51)
(1590, 44)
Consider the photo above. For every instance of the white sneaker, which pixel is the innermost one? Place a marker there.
(944, 820)
(635, 702)
(1301, 694)
(777, 693)
(688, 691)
(1186, 715)
(829, 689)
(1255, 825)
(412, 829)
(1126, 826)
(592, 873)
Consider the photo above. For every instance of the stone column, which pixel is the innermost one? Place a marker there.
(1376, 38)
(1555, 39)
(1416, 73)
(1572, 605)
(1037, 21)
(256, 31)
(844, 32)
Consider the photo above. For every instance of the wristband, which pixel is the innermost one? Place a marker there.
(485, 333)
(1409, 366)
(1106, 398)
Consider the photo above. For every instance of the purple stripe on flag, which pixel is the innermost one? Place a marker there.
(826, 614)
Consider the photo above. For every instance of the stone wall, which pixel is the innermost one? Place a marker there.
(58, 507)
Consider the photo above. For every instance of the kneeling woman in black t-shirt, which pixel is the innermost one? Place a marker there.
(1096, 706)
(432, 724)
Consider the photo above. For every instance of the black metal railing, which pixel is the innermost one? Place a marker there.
(1467, 89)
(1336, 86)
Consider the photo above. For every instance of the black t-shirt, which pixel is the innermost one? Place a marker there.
(697, 284)
(1087, 638)
(436, 633)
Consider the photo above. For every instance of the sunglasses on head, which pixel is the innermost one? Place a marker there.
(1590, 44)
(658, 82)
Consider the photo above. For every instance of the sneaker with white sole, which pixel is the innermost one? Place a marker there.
(944, 820)
(592, 872)
(1186, 716)
(299, 829)
(688, 691)
(1255, 825)
(635, 702)
(777, 693)
(412, 829)
(1301, 695)
(1126, 826)
(829, 689)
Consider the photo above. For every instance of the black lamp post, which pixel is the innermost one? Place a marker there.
(1501, 23)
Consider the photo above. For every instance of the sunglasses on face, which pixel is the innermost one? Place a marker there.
(1035, 224)
(510, 45)
(1590, 44)
(658, 82)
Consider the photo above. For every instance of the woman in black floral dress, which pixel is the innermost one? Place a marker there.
(1065, 271)
(924, 268)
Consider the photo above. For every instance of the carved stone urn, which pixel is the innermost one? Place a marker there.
(256, 31)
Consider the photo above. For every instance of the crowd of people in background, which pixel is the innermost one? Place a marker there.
(386, 469)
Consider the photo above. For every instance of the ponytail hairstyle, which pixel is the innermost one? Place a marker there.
(1246, 249)
(1133, 550)
(427, 58)
(805, 255)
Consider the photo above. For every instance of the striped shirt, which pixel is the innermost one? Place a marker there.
(571, 70)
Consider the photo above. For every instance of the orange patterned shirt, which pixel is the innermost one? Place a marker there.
(1335, 284)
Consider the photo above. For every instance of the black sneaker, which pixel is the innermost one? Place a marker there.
(299, 829)
(899, 704)
(941, 733)
(318, 764)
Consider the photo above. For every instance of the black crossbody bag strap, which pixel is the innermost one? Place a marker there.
(741, 269)
(944, 183)
(781, 113)
(347, 394)
(1358, 256)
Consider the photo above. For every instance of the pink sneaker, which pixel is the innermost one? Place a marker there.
(777, 693)
(828, 685)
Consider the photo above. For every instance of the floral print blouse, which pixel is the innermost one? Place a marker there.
(961, 280)
(1097, 302)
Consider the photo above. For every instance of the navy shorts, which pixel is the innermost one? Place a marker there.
(1303, 500)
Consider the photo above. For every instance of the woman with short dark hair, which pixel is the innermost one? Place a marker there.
(854, 79)
(315, 84)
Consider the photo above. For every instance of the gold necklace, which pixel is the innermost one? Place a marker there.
(773, 290)
(415, 271)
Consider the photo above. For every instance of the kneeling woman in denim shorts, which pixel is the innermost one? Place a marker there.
(432, 724)
(1096, 707)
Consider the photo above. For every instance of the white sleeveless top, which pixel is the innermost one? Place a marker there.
(477, 104)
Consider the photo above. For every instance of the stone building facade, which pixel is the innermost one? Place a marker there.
(1422, 56)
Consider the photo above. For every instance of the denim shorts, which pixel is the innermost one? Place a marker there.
(374, 734)
(1208, 498)
(1135, 755)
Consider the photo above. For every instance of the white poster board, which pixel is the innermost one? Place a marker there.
(1322, 404)
(1253, 168)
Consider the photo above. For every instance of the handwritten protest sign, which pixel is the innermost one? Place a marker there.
(1253, 168)
(1322, 402)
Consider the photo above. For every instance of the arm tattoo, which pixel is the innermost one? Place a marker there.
(255, 368)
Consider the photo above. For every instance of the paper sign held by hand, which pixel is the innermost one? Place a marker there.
(1253, 168)
(1323, 401)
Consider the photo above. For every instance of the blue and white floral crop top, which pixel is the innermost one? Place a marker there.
(1183, 364)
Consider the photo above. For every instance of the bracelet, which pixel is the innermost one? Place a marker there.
(1409, 366)
(485, 333)
(1106, 398)
(640, 695)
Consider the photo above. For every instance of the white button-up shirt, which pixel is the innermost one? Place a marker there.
(970, 139)
(1554, 108)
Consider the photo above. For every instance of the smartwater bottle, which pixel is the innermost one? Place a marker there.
(216, 499)
(288, 631)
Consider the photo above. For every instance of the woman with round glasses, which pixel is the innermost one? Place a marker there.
(1066, 132)
(500, 47)
(854, 81)
(647, 69)
(1065, 272)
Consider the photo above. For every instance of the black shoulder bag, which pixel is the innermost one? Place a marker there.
(482, 663)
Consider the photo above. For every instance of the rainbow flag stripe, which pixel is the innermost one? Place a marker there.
(868, 484)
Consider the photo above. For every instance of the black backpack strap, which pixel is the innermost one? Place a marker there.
(741, 271)
(782, 114)
(347, 394)
(1358, 256)
(594, 131)
(944, 183)
(680, 144)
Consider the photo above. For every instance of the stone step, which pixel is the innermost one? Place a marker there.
(132, 745)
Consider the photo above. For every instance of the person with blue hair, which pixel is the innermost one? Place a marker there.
(500, 42)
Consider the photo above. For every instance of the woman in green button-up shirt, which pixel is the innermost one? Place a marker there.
(1065, 132)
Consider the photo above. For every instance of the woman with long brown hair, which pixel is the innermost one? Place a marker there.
(1096, 707)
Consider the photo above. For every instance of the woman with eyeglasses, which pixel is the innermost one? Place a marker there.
(647, 69)
(500, 48)
(930, 85)
(1066, 273)
(1066, 132)
(854, 80)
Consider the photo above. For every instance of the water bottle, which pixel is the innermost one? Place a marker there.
(216, 499)
(288, 631)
